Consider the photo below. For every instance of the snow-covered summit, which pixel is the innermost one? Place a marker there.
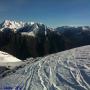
(11, 24)
(15, 26)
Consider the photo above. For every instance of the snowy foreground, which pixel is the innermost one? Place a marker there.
(68, 70)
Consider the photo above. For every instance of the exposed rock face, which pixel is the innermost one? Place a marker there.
(68, 70)
(25, 40)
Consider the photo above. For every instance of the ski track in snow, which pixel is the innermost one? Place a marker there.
(52, 79)
(29, 79)
(39, 74)
(64, 72)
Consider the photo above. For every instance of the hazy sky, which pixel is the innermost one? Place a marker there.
(51, 12)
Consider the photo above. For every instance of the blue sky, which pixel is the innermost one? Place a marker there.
(50, 12)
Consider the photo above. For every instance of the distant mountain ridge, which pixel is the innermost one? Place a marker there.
(25, 39)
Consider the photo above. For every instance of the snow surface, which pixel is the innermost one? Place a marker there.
(12, 24)
(28, 34)
(68, 70)
(5, 57)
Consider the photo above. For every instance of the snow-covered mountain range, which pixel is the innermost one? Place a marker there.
(19, 24)
(36, 39)
(36, 69)
(14, 25)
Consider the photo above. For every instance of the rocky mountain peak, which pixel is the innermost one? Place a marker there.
(12, 24)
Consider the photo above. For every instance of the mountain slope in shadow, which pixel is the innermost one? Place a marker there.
(34, 40)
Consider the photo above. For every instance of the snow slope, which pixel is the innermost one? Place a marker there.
(68, 70)
(5, 57)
